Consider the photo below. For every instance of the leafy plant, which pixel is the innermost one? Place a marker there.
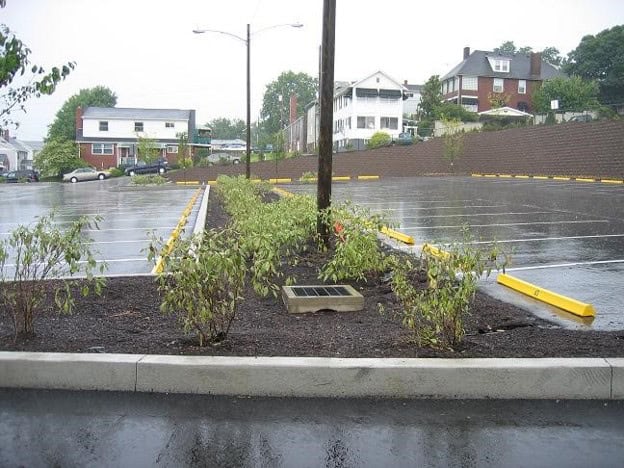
(308, 177)
(357, 252)
(378, 140)
(42, 252)
(148, 179)
(453, 141)
(203, 281)
(436, 314)
(148, 151)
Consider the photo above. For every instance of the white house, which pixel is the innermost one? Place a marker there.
(365, 107)
(108, 136)
(17, 154)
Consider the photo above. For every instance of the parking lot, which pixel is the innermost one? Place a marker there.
(567, 237)
(128, 215)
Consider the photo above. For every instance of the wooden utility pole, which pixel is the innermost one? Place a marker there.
(326, 99)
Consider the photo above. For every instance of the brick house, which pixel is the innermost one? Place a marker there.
(108, 136)
(485, 77)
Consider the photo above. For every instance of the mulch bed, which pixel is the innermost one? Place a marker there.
(126, 319)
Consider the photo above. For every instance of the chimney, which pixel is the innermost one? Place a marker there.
(78, 122)
(466, 52)
(404, 82)
(536, 64)
(293, 108)
(5, 134)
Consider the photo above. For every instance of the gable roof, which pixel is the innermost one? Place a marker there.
(344, 87)
(477, 64)
(122, 113)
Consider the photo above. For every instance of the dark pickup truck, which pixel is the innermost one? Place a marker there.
(158, 167)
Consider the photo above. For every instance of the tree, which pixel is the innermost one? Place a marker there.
(148, 151)
(549, 54)
(64, 126)
(574, 94)
(15, 63)
(430, 98)
(226, 129)
(453, 140)
(184, 156)
(57, 158)
(601, 58)
(275, 110)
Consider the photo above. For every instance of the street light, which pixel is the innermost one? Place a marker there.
(248, 43)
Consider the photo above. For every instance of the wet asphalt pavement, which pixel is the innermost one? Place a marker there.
(567, 237)
(60, 428)
(128, 215)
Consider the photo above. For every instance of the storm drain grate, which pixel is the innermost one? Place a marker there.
(312, 298)
(315, 291)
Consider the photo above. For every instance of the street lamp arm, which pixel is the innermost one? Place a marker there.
(201, 31)
(292, 25)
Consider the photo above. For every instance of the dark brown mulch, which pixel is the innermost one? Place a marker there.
(126, 319)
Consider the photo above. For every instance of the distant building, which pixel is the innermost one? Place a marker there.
(109, 136)
(484, 77)
(17, 154)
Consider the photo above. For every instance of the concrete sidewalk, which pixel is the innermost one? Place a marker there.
(518, 378)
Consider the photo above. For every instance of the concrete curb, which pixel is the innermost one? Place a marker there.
(522, 378)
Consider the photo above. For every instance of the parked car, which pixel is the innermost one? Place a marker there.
(24, 175)
(85, 173)
(224, 158)
(158, 167)
(405, 139)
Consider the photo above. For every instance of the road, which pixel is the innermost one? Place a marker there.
(60, 428)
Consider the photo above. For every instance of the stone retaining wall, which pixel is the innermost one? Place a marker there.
(594, 149)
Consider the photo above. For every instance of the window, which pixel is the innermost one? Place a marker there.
(470, 83)
(391, 123)
(169, 125)
(172, 149)
(499, 85)
(102, 148)
(521, 86)
(365, 122)
(349, 123)
(103, 125)
(138, 126)
(501, 66)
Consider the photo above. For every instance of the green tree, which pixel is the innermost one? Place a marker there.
(448, 110)
(184, 155)
(574, 94)
(601, 58)
(379, 139)
(14, 63)
(275, 111)
(57, 158)
(430, 98)
(226, 129)
(148, 151)
(549, 54)
(453, 140)
(64, 125)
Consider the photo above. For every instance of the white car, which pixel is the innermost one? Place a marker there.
(85, 173)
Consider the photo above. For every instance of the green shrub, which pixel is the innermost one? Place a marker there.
(309, 177)
(41, 252)
(202, 282)
(116, 172)
(378, 140)
(148, 179)
(437, 313)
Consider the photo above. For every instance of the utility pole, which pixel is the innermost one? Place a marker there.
(326, 99)
(248, 161)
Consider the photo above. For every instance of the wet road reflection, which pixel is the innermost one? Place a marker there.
(576, 229)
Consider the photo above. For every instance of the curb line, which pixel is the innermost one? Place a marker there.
(540, 177)
(509, 378)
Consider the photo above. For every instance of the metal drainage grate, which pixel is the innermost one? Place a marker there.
(314, 291)
(312, 298)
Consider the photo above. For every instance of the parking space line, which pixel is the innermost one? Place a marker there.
(468, 215)
(508, 224)
(544, 239)
(565, 265)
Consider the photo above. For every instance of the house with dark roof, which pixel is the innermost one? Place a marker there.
(484, 80)
(109, 136)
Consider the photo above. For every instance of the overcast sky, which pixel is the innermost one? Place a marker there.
(145, 51)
